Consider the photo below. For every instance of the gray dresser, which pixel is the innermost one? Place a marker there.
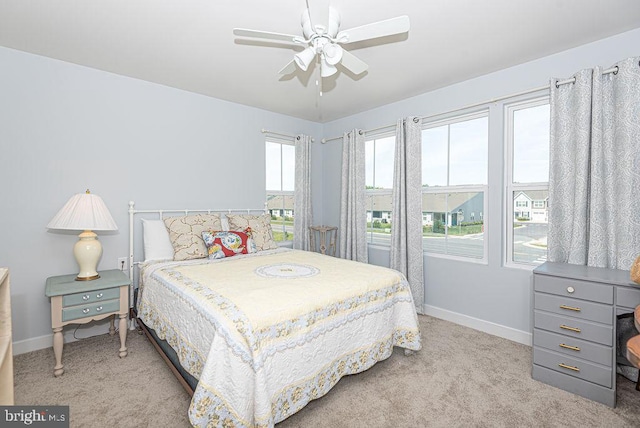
(574, 335)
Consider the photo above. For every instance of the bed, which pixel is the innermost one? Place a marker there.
(259, 334)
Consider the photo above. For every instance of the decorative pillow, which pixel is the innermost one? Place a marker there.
(157, 245)
(185, 234)
(221, 244)
(260, 229)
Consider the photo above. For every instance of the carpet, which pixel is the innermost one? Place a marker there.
(461, 378)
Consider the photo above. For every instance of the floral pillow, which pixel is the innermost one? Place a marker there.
(260, 229)
(221, 244)
(185, 234)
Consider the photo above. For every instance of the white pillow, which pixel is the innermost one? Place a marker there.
(155, 236)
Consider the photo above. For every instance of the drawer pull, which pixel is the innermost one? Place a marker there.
(564, 366)
(573, 348)
(566, 327)
(85, 297)
(570, 289)
(99, 296)
(86, 311)
(569, 308)
(99, 308)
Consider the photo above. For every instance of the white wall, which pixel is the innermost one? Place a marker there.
(489, 297)
(65, 128)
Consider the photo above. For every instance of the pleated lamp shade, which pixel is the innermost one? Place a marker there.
(85, 212)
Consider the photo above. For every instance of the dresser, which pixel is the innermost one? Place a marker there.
(574, 319)
(6, 354)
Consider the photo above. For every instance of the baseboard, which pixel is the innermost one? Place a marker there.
(46, 341)
(70, 334)
(505, 332)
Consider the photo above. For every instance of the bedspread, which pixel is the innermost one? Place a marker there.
(266, 333)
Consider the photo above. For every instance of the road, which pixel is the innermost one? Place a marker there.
(473, 245)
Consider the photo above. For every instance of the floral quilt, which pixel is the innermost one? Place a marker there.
(266, 333)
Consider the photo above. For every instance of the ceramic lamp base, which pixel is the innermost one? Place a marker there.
(87, 252)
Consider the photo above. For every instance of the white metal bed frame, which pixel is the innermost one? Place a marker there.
(160, 213)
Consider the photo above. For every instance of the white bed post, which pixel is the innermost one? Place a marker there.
(132, 323)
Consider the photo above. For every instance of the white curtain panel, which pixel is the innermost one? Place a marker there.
(353, 212)
(303, 217)
(594, 177)
(406, 215)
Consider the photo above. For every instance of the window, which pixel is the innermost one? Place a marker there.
(379, 155)
(454, 185)
(280, 179)
(527, 143)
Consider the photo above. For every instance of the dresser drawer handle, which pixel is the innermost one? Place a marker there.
(86, 297)
(573, 348)
(569, 308)
(86, 311)
(566, 327)
(570, 289)
(99, 295)
(564, 366)
(99, 308)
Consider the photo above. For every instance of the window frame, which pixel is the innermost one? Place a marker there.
(379, 135)
(511, 187)
(284, 193)
(483, 112)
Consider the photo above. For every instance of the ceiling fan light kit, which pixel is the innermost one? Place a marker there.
(325, 42)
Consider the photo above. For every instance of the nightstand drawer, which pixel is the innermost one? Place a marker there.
(90, 310)
(573, 367)
(573, 347)
(575, 289)
(90, 297)
(573, 327)
(582, 309)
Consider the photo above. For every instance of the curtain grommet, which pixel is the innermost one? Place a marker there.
(557, 86)
(617, 69)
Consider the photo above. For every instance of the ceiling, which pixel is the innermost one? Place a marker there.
(189, 44)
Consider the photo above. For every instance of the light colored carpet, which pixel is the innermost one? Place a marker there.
(462, 377)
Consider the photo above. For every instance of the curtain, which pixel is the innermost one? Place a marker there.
(594, 176)
(303, 217)
(406, 215)
(353, 214)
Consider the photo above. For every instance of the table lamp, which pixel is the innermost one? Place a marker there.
(86, 212)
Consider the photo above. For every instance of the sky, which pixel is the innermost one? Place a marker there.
(462, 145)
(277, 155)
(457, 154)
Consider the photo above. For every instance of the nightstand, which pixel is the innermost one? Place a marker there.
(79, 302)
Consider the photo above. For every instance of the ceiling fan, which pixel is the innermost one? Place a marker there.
(326, 42)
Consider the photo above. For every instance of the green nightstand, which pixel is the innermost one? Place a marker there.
(79, 302)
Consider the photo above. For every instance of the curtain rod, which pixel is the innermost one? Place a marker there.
(293, 137)
(613, 70)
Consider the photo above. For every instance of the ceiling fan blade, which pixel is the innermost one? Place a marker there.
(334, 22)
(353, 63)
(257, 34)
(387, 27)
(288, 69)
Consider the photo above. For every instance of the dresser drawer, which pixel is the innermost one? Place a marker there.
(573, 327)
(582, 309)
(628, 297)
(90, 310)
(573, 347)
(90, 296)
(575, 367)
(584, 290)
